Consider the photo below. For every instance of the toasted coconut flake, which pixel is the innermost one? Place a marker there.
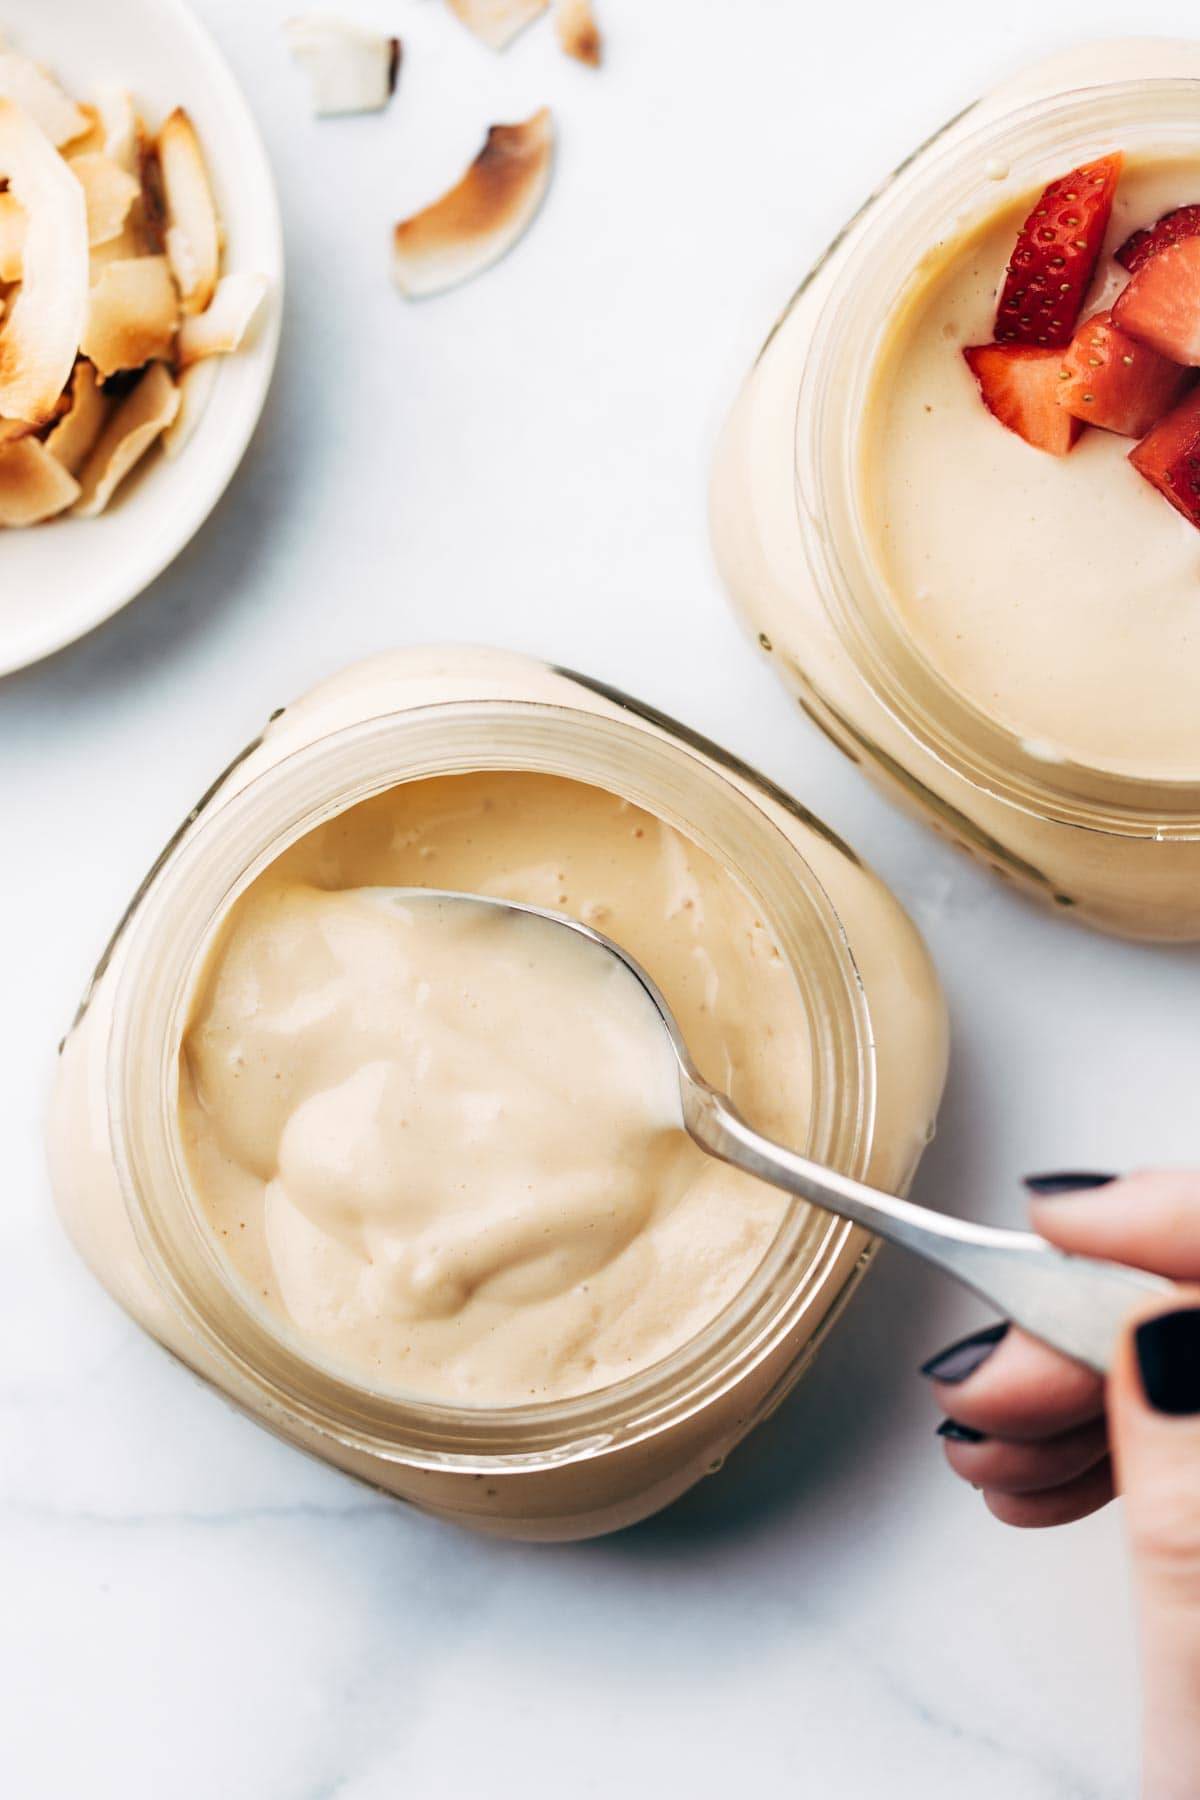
(92, 141)
(139, 419)
(73, 438)
(118, 126)
(108, 191)
(350, 68)
(193, 241)
(33, 484)
(479, 219)
(128, 244)
(497, 22)
(38, 94)
(42, 328)
(12, 237)
(578, 32)
(132, 315)
(220, 329)
(195, 388)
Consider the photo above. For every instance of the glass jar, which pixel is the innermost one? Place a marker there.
(1121, 852)
(570, 1468)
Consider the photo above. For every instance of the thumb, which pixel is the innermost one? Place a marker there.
(1154, 1425)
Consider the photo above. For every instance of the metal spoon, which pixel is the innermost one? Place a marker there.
(1075, 1304)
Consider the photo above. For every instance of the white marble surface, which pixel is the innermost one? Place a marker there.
(189, 1609)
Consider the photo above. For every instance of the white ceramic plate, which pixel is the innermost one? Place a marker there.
(59, 579)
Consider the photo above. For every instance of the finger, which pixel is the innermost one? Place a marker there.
(1151, 1220)
(1004, 1467)
(1154, 1422)
(1054, 1506)
(1013, 1387)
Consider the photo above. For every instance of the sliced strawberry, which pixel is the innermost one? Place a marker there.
(1055, 256)
(1161, 304)
(1020, 386)
(1170, 457)
(1110, 380)
(1172, 228)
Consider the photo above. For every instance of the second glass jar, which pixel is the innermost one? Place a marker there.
(1120, 853)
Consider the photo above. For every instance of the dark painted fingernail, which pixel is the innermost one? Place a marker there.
(1168, 1353)
(1071, 1181)
(962, 1359)
(959, 1434)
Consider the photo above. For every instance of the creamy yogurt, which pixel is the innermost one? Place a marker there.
(1060, 595)
(445, 1148)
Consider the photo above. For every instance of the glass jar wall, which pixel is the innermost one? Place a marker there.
(870, 1003)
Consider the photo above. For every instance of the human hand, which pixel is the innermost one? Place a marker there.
(1048, 1442)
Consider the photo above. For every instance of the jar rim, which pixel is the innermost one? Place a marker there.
(221, 852)
(883, 255)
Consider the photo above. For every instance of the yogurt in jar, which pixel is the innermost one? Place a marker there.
(1002, 639)
(226, 1139)
(445, 1149)
(1059, 594)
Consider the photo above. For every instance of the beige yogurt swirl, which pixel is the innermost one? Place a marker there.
(446, 1157)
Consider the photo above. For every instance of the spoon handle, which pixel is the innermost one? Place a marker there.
(1073, 1303)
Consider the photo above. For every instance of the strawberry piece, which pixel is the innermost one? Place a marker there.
(1110, 380)
(1170, 457)
(1172, 228)
(1161, 304)
(1055, 256)
(1020, 384)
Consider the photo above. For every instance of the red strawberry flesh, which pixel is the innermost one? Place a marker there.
(1172, 228)
(1161, 304)
(1113, 381)
(1020, 384)
(1170, 457)
(1055, 255)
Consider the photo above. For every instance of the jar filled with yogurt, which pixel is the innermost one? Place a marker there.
(407, 1197)
(989, 600)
